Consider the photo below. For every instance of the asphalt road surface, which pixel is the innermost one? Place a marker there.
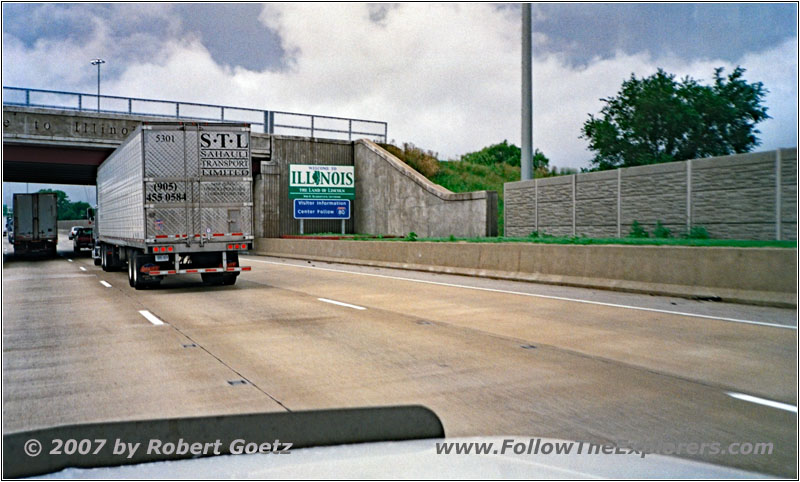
(489, 357)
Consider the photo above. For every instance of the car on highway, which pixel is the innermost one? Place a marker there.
(82, 239)
(74, 231)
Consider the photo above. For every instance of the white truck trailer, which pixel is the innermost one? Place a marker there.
(35, 223)
(176, 199)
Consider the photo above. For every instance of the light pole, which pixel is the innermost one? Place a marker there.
(97, 62)
(527, 94)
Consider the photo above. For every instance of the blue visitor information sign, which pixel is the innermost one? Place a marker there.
(322, 209)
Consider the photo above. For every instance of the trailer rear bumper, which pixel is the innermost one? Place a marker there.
(164, 272)
(45, 246)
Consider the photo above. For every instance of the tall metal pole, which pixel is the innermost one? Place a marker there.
(527, 94)
(97, 62)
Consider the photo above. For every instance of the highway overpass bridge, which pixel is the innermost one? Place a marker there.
(54, 137)
(61, 138)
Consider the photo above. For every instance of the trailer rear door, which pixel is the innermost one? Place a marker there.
(198, 183)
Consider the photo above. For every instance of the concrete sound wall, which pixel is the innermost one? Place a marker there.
(67, 224)
(744, 196)
(393, 198)
(748, 275)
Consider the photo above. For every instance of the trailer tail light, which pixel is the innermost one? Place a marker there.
(169, 248)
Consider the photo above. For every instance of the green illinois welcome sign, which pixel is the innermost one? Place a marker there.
(308, 181)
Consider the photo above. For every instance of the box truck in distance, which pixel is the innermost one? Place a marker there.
(35, 223)
(175, 199)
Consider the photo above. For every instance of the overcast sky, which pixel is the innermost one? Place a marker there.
(444, 76)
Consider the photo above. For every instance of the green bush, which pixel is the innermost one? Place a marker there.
(637, 231)
(661, 231)
(540, 235)
(698, 232)
(495, 154)
(412, 236)
(420, 160)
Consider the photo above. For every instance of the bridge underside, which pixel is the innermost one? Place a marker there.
(51, 165)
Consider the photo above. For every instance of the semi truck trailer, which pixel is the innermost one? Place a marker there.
(35, 223)
(176, 199)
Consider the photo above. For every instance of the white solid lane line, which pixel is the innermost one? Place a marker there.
(105, 283)
(69, 260)
(83, 269)
(151, 317)
(613, 305)
(342, 304)
(763, 401)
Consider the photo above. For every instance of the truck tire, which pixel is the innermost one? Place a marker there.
(229, 279)
(114, 263)
(104, 258)
(134, 275)
(130, 270)
(97, 261)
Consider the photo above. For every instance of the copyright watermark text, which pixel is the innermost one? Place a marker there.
(119, 447)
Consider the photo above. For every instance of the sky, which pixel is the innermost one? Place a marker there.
(445, 77)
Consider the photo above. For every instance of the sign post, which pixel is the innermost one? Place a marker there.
(321, 192)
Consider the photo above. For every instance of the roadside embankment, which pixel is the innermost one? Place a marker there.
(764, 276)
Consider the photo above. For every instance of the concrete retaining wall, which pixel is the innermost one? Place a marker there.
(392, 198)
(748, 275)
(745, 196)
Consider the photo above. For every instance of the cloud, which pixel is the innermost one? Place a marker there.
(446, 77)
(564, 95)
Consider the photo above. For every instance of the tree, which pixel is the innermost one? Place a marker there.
(495, 154)
(657, 119)
(509, 154)
(541, 165)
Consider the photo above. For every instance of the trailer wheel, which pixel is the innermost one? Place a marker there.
(134, 264)
(97, 261)
(115, 263)
(130, 269)
(229, 279)
(104, 258)
(135, 277)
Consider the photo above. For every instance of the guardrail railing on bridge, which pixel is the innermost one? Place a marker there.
(269, 121)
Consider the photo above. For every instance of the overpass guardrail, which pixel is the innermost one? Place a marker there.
(268, 121)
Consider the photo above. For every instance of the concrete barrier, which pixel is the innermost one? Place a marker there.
(67, 224)
(763, 276)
